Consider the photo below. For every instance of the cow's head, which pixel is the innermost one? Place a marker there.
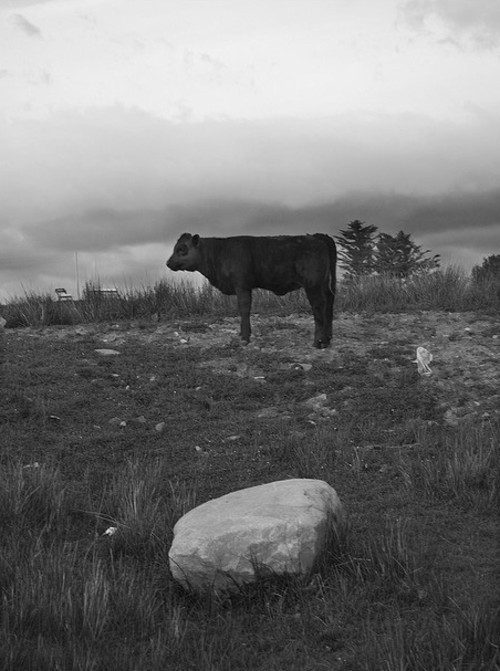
(185, 255)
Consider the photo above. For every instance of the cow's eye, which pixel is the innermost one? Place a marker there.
(182, 251)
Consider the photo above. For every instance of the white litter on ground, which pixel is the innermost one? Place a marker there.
(424, 357)
(110, 531)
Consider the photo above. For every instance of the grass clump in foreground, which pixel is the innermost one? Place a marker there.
(109, 602)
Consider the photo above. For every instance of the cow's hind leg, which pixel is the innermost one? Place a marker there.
(328, 314)
(244, 306)
(320, 309)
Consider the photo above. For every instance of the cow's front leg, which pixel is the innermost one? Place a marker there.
(244, 305)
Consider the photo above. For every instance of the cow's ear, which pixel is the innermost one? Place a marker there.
(195, 239)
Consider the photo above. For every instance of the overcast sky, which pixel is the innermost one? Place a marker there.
(125, 123)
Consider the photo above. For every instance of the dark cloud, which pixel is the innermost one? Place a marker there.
(119, 186)
(107, 230)
(24, 25)
(476, 23)
(472, 217)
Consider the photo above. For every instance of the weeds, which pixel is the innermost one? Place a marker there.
(463, 641)
(464, 466)
(68, 605)
(31, 497)
(448, 289)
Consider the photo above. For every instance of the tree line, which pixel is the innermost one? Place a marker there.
(364, 251)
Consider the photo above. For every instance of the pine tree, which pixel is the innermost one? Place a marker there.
(357, 249)
(489, 270)
(399, 256)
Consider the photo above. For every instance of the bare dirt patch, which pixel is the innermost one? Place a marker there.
(465, 349)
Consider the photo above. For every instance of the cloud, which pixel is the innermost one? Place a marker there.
(461, 21)
(121, 160)
(25, 26)
(119, 186)
(423, 216)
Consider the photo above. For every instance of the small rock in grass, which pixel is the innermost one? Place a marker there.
(268, 413)
(117, 421)
(450, 417)
(316, 402)
(301, 366)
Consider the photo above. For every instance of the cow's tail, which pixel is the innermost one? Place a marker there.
(332, 253)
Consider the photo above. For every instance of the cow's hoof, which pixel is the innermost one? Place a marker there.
(321, 345)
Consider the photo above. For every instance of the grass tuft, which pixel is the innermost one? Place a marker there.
(447, 289)
(463, 466)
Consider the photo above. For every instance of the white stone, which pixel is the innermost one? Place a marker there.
(316, 402)
(280, 527)
(104, 351)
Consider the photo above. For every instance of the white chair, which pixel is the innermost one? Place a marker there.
(62, 295)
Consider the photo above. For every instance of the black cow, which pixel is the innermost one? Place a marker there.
(280, 264)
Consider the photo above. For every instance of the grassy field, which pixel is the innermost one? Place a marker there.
(137, 439)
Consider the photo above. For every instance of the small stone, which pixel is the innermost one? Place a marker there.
(104, 351)
(301, 366)
(160, 427)
(316, 401)
(268, 413)
(450, 417)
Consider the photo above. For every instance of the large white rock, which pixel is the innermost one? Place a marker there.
(281, 527)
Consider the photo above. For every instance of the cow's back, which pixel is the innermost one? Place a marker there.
(285, 263)
(277, 263)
